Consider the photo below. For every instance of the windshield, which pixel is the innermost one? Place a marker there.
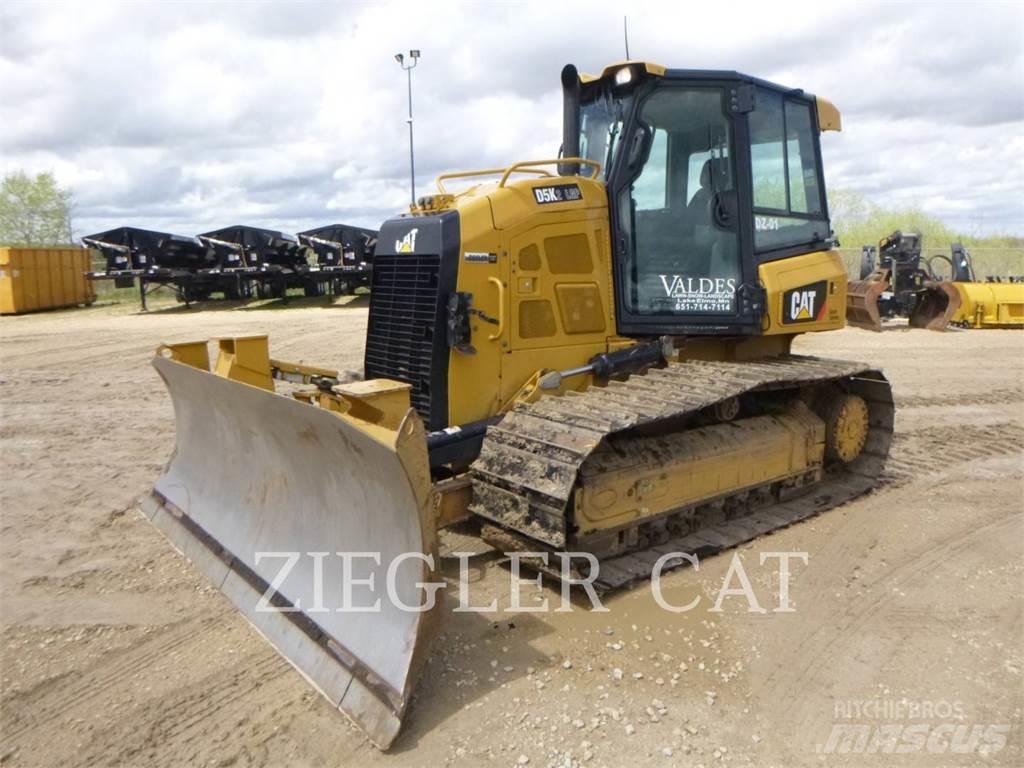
(600, 125)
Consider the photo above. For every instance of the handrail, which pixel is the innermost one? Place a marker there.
(524, 166)
(501, 308)
(468, 174)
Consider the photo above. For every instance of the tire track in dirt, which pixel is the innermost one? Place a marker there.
(820, 643)
(112, 670)
(912, 461)
(935, 450)
(818, 649)
(197, 712)
(192, 711)
(1006, 396)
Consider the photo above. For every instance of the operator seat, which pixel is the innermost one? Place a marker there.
(697, 210)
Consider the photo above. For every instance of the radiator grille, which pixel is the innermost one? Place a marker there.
(403, 323)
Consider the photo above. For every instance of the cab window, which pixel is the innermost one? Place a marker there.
(649, 190)
(788, 205)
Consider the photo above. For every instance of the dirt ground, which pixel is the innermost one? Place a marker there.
(909, 611)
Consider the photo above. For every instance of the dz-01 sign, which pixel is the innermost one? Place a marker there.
(805, 304)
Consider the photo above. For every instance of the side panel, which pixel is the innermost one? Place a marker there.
(536, 260)
(483, 271)
(560, 292)
(805, 293)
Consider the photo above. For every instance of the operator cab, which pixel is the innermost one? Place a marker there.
(709, 174)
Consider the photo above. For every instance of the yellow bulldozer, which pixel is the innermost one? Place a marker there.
(587, 358)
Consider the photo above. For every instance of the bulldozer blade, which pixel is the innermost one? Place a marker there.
(935, 306)
(862, 303)
(258, 479)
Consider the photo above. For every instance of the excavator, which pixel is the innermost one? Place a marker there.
(586, 358)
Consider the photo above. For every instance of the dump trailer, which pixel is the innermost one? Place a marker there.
(155, 259)
(589, 354)
(131, 251)
(344, 255)
(272, 260)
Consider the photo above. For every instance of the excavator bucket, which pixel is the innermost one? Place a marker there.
(285, 506)
(935, 306)
(862, 301)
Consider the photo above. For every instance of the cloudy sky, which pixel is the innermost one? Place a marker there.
(189, 116)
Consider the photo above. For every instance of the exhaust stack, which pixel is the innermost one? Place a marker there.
(570, 119)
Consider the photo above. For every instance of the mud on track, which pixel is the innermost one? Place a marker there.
(114, 651)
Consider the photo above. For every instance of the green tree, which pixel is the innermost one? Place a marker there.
(34, 210)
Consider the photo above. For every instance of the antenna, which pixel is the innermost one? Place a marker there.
(625, 35)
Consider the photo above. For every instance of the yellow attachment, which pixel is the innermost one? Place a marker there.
(990, 305)
(300, 371)
(378, 401)
(239, 358)
(194, 353)
(451, 500)
(245, 359)
(255, 473)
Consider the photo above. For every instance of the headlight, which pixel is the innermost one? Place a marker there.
(623, 76)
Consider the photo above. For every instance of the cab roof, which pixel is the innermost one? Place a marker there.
(829, 118)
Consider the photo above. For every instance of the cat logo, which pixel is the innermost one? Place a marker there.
(805, 304)
(408, 243)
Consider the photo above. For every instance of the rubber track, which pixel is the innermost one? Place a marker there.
(537, 450)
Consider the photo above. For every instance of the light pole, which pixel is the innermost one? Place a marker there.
(414, 56)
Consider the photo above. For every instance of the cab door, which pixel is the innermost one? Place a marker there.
(683, 263)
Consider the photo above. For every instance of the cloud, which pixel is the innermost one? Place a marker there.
(185, 117)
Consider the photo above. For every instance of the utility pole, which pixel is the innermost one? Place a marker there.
(414, 56)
